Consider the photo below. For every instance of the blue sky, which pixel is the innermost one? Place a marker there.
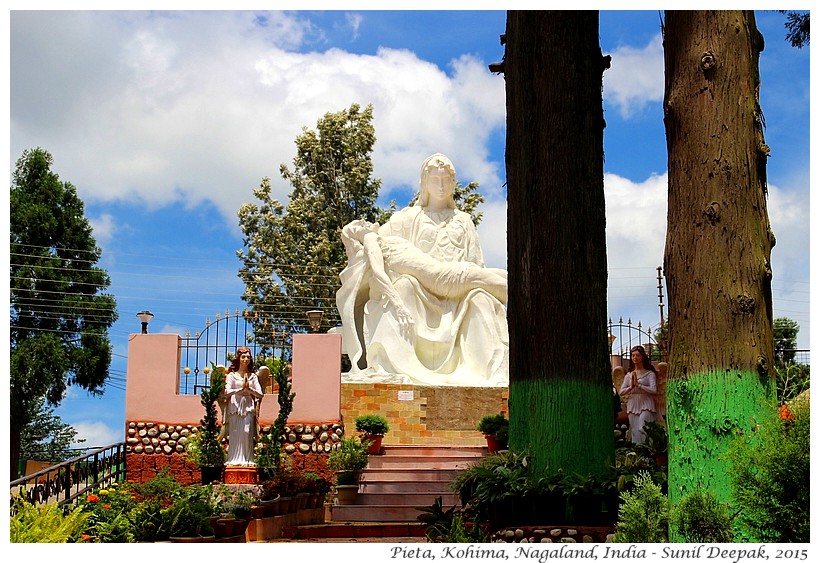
(166, 122)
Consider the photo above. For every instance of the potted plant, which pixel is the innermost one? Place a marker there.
(285, 483)
(496, 430)
(233, 509)
(318, 487)
(373, 427)
(348, 459)
(204, 447)
(269, 497)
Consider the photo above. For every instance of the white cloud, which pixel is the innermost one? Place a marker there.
(354, 21)
(635, 221)
(193, 106)
(635, 77)
(492, 232)
(103, 227)
(96, 434)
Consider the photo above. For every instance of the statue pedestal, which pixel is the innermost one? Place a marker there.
(240, 475)
(424, 415)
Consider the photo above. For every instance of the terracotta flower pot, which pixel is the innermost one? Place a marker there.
(270, 507)
(301, 500)
(285, 505)
(375, 444)
(493, 444)
(347, 494)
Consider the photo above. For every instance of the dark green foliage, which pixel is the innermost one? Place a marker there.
(785, 339)
(656, 438)
(643, 516)
(372, 424)
(798, 25)
(700, 518)
(205, 449)
(59, 313)
(190, 514)
(349, 455)
(162, 487)
(634, 459)
(47, 438)
(770, 477)
(268, 452)
(449, 526)
(504, 489)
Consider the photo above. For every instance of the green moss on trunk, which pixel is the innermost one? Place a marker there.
(704, 413)
(563, 423)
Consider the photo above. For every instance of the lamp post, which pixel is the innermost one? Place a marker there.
(315, 319)
(144, 317)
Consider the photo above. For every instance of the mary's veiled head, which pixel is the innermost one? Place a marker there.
(432, 163)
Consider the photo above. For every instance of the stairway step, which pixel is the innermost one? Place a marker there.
(335, 530)
(369, 513)
(405, 498)
(408, 474)
(392, 486)
(397, 485)
(435, 451)
(405, 461)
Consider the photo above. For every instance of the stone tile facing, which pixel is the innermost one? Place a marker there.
(424, 414)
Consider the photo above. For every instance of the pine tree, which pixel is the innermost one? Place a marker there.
(60, 313)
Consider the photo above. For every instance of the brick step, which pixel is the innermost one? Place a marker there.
(368, 498)
(434, 451)
(407, 461)
(440, 486)
(408, 474)
(394, 531)
(371, 513)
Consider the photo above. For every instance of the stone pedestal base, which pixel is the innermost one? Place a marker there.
(424, 415)
(240, 475)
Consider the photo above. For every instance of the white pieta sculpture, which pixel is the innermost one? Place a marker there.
(417, 303)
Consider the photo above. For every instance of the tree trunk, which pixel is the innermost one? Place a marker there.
(560, 383)
(718, 244)
(14, 450)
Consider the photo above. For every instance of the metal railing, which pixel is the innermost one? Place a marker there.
(623, 336)
(65, 482)
(793, 356)
(216, 344)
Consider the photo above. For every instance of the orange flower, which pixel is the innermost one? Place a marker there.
(93, 498)
(784, 413)
(107, 506)
(86, 537)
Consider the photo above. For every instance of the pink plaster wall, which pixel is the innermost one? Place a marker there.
(317, 377)
(153, 374)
